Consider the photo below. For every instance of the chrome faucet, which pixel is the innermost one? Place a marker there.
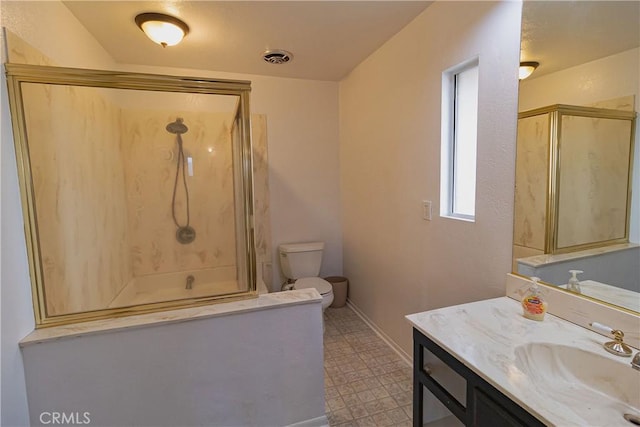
(635, 363)
(190, 280)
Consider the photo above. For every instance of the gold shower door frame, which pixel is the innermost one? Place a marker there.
(556, 113)
(17, 74)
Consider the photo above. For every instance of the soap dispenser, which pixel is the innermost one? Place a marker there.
(533, 305)
(574, 283)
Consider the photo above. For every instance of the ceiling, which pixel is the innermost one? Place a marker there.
(327, 38)
(563, 34)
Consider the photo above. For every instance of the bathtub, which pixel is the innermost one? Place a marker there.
(162, 287)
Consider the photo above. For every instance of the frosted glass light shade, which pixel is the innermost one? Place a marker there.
(526, 68)
(162, 29)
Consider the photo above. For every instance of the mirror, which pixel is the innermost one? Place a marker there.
(589, 60)
(136, 190)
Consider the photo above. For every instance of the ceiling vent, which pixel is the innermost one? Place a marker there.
(277, 56)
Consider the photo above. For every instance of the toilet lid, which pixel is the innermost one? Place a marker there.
(321, 285)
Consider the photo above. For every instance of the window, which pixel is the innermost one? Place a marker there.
(459, 138)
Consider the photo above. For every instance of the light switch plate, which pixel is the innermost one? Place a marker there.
(426, 210)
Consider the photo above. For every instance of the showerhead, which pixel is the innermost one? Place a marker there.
(177, 127)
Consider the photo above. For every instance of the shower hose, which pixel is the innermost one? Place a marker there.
(180, 165)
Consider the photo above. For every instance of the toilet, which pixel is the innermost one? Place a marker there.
(300, 264)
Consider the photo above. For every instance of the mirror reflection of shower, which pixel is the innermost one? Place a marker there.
(185, 234)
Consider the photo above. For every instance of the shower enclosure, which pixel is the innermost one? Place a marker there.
(136, 189)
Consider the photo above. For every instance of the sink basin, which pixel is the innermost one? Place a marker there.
(598, 388)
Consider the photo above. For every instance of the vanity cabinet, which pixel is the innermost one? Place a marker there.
(480, 404)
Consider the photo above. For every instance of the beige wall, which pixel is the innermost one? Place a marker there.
(390, 104)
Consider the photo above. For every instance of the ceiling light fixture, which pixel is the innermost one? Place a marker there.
(526, 68)
(162, 29)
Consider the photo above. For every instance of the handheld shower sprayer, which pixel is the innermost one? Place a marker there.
(178, 127)
(185, 233)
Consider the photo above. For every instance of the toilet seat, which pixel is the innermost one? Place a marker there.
(322, 286)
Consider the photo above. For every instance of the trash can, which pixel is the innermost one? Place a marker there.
(340, 287)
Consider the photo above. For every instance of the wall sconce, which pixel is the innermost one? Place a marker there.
(526, 68)
(162, 29)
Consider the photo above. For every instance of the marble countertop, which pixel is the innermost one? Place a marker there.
(611, 294)
(261, 302)
(484, 336)
(547, 259)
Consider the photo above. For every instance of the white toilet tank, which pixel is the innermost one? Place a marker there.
(301, 259)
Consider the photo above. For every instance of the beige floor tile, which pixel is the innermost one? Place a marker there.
(339, 380)
(359, 385)
(408, 409)
(372, 382)
(358, 411)
(366, 422)
(388, 403)
(385, 379)
(380, 392)
(345, 389)
(366, 382)
(351, 400)
(397, 415)
(382, 419)
(339, 416)
(336, 403)
(374, 407)
(403, 398)
(328, 382)
(393, 388)
(366, 396)
(330, 393)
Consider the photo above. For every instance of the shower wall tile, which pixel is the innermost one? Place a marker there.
(150, 155)
(21, 52)
(261, 194)
(87, 273)
(593, 174)
(532, 158)
(78, 182)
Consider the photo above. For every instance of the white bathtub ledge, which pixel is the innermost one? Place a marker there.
(262, 302)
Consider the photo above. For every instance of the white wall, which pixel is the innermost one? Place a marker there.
(612, 77)
(31, 21)
(302, 126)
(398, 263)
(218, 371)
(16, 311)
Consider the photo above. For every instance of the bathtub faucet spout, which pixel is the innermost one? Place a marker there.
(190, 280)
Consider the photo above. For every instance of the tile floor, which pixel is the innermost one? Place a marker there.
(366, 382)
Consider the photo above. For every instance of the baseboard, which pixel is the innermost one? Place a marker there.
(322, 421)
(384, 337)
